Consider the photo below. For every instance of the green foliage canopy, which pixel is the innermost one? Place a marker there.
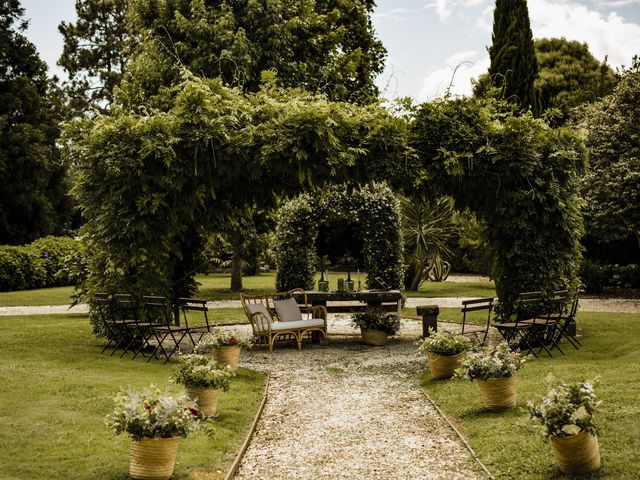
(569, 76)
(520, 175)
(323, 46)
(612, 185)
(147, 178)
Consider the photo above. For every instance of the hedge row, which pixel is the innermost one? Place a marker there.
(596, 276)
(47, 262)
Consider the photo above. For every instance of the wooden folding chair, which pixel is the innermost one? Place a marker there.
(518, 334)
(198, 330)
(480, 304)
(116, 328)
(158, 312)
(546, 322)
(137, 330)
(567, 322)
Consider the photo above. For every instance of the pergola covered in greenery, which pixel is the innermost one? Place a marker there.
(375, 210)
(150, 180)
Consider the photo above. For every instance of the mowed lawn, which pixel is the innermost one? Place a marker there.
(57, 389)
(215, 286)
(510, 450)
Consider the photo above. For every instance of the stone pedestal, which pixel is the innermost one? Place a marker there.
(429, 314)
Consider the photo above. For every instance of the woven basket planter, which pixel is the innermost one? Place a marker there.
(498, 393)
(153, 458)
(228, 356)
(377, 338)
(206, 398)
(444, 366)
(576, 454)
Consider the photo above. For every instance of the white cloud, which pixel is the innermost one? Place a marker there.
(607, 35)
(455, 75)
(444, 8)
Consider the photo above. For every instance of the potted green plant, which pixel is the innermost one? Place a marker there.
(565, 415)
(203, 380)
(495, 369)
(224, 346)
(156, 422)
(376, 325)
(445, 352)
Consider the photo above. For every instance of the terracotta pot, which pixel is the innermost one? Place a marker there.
(228, 356)
(377, 338)
(444, 366)
(498, 393)
(576, 454)
(153, 458)
(206, 399)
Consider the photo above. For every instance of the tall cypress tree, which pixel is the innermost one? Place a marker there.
(513, 58)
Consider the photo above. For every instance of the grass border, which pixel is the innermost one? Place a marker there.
(236, 463)
(460, 436)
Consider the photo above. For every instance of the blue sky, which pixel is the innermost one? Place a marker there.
(427, 39)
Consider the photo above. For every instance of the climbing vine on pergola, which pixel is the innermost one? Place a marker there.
(374, 209)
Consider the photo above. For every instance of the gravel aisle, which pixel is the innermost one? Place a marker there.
(346, 411)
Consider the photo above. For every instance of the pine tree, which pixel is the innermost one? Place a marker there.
(513, 58)
(94, 53)
(33, 200)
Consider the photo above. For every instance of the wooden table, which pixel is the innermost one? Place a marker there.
(390, 300)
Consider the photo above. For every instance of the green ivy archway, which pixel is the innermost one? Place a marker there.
(373, 207)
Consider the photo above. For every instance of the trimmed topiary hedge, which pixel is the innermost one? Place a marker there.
(43, 263)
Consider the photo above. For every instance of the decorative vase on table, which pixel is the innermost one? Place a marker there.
(445, 351)
(156, 422)
(494, 368)
(349, 285)
(203, 381)
(566, 415)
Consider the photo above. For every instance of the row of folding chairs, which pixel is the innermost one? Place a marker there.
(542, 322)
(147, 325)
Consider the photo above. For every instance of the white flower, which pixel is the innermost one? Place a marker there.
(571, 429)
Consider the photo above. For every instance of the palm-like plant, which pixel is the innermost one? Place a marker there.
(428, 228)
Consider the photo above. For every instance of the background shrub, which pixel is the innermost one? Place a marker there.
(47, 262)
(597, 276)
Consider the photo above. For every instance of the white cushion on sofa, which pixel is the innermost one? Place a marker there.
(300, 324)
(288, 310)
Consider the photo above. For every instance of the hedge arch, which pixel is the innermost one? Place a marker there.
(373, 207)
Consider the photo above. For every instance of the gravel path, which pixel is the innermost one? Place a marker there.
(346, 410)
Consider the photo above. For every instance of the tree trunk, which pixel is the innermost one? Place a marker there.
(236, 263)
(417, 279)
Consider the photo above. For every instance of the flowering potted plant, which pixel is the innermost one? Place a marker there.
(224, 346)
(445, 352)
(203, 380)
(566, 416)
(494, 368)
(376, 325)
(156, 423)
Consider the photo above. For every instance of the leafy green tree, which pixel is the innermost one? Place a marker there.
(32, 175)
(611, 187)
(569, 76)
(94, 54)
(514, 66)
(323, 46)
